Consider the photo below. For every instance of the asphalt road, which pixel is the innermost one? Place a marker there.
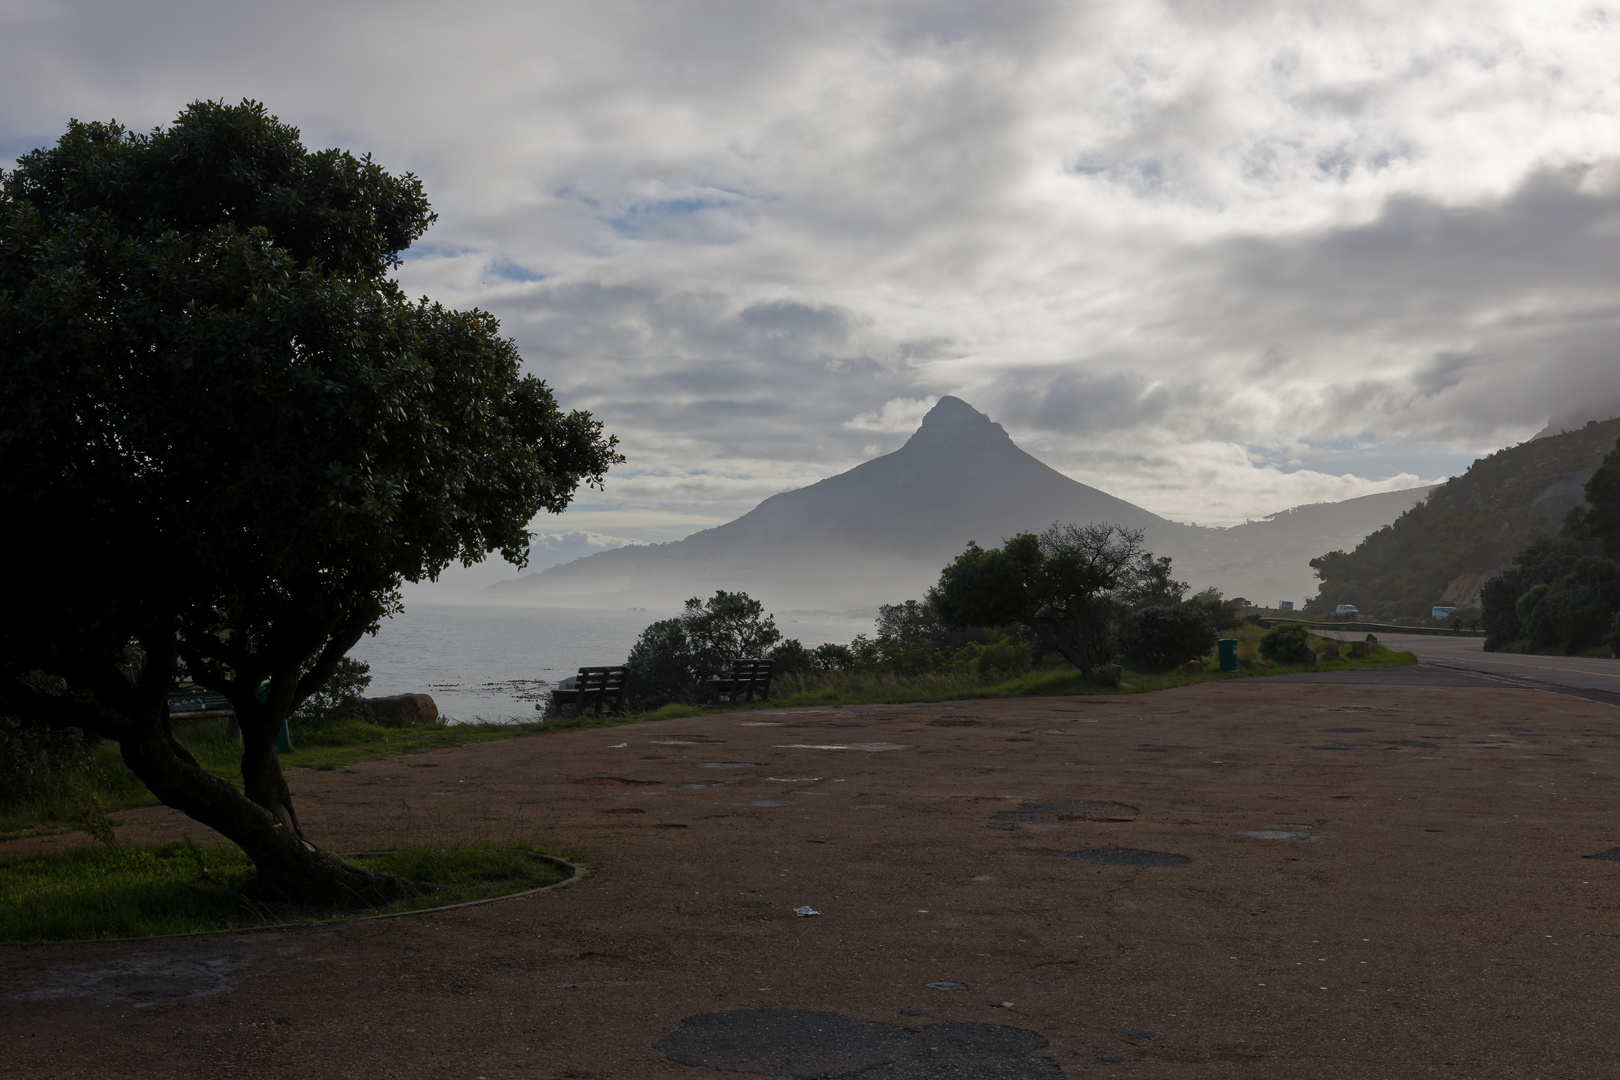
(1461, 661)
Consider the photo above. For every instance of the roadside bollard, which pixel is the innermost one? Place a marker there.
(1226, 649)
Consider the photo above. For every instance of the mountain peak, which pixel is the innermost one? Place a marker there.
(953, 420)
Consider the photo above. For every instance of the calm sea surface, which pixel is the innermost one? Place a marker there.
(494, 662)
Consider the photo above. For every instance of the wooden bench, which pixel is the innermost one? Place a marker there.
(595, 688)
(745, 678)
(193, 702)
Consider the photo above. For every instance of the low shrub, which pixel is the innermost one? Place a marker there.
(1167, 635)
(1286, 644)
(1002, 659)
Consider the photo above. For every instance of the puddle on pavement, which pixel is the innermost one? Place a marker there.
(701, 785)
(1128, 857)
(1612, 855)
(804, 1043)
(141, 981)
(1347, 730)
(765, 802)
(871, 806)
(1411, 744)
(1293, 835)
(1050, 812)
(613, 781)
(1341, 746)
(729, 764)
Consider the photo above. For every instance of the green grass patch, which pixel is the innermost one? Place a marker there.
(100, 892)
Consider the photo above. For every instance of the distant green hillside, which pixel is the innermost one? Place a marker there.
(1443, 549)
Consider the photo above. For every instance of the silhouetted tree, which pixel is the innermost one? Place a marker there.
(226, 437)
(1057, 584)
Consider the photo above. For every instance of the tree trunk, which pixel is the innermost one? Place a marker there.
(289, 866)
(1071, 646)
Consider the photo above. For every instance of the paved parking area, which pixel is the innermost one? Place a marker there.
(1330, 880)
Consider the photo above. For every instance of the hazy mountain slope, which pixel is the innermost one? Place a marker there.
(885, 526)
(1469, 527)
(1269, 560)
(881, 531)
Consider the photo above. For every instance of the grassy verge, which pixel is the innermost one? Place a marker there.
(102, 784)
(115, 892)
(99, 783)
(875, 688)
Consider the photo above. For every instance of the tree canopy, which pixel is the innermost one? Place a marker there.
(673, 657)
(227, 437)
(1057, 584)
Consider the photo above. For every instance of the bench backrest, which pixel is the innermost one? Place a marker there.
(600, 687)
(748, 676)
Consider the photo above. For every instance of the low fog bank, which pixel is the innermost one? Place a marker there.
(1265, 561)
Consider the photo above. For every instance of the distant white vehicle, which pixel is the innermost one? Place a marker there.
(1285, 605)
(1441, 612)
(1346, 609)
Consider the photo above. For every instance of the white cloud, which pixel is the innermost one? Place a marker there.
(1188, 252)
(897, 416)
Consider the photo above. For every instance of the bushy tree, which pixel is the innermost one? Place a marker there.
(1541, 563)
(339, 697)
(1601, 519)
(674, 657)
(790, 657)
(1287, 644)
(1152, 584)
(831, 656)
(909, 622)
(227, 437)
(1221, 613)
(1058, 584)
(1574, 611)
(1166, 635)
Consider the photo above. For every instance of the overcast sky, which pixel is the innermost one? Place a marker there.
(1215, 258)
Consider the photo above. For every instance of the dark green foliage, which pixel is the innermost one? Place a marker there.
(909, 622)
(673, 657)
(789, 657)
(1287, 644)
(662, 666)
(338, 698)
(1472, 524)
(43, 765)
(1560, 594)
(1535, 619)
(1222, 614)
(1612, 638)
(212, 393)
(830, 656)
(180, 888)
(1542, 563)
(1166, 635)
(1601, 519)
(1574, 611)
(1058, 584)
(1152, 584)
(1002, 659)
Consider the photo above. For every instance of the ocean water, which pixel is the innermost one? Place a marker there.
(495, 662)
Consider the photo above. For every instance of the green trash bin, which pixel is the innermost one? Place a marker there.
(284, 736)
(1226, 649)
